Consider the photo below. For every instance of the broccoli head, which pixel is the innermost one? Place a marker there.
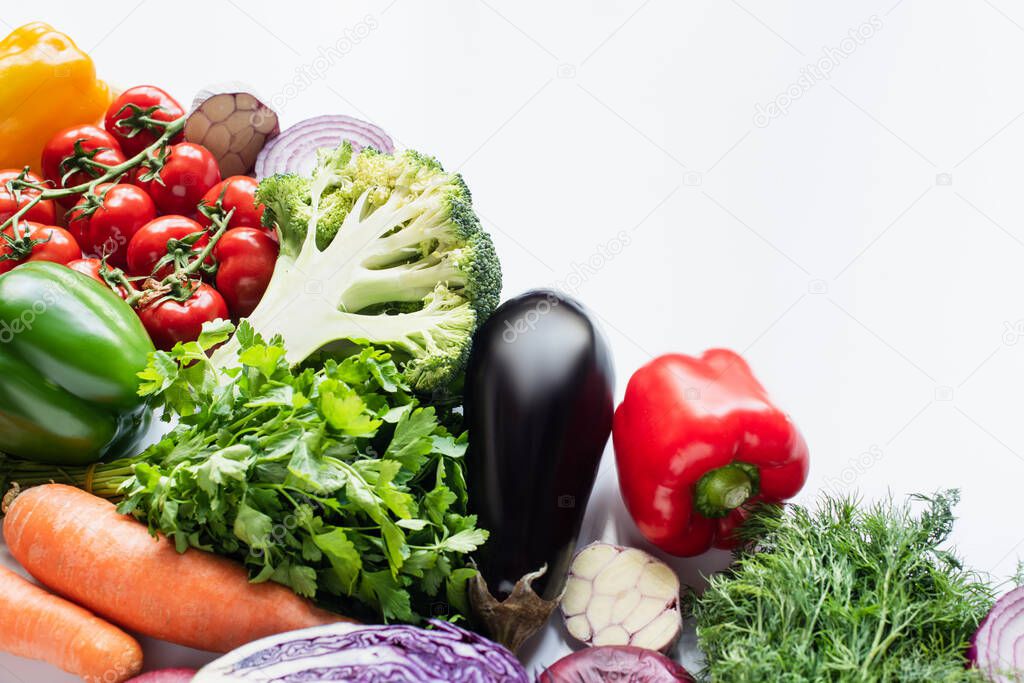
(378, 249)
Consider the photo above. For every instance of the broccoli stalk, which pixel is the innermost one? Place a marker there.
(382, 250)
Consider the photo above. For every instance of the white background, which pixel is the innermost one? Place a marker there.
(863, 250)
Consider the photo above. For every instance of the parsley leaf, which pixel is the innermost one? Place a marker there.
(335, 482)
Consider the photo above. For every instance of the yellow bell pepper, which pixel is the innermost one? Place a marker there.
(46, 84)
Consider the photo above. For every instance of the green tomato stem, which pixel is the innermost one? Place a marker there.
(221, 223)
(171, 129)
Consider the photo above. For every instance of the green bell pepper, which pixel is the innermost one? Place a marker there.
(69, 352)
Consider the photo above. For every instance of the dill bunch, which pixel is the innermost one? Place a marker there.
(845, 592)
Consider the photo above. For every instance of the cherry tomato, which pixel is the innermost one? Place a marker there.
(135, 178)
(149, 244)
(169, 322)
(62, 146)
(108, 229)
(88, 266)
(246, 257)
(91, 267)
(144, 97)
(53, 244)
(188, 174)
(43, 212)
(239, 194)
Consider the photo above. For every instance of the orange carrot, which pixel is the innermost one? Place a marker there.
(78, 545)
(38, 625)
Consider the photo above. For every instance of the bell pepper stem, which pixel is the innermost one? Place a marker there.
(722, 490)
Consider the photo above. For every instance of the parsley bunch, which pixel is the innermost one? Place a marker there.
(335, 481)
(843, 593)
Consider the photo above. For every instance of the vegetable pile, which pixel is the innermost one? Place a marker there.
(369, 464)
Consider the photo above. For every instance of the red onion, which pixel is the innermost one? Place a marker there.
(618, 663)
(996, 646)
(294, 150)
(165, 676)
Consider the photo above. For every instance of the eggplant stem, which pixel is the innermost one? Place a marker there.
(518, 617)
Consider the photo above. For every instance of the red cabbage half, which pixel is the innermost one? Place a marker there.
(368, 654)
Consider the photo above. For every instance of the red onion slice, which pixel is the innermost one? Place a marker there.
(997, 648)
(294, 150)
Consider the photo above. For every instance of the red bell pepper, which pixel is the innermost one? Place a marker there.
(697, 440)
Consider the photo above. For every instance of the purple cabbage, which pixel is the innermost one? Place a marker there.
(369, 654)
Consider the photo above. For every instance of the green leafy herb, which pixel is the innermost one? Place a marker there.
(843, 593)
(334, 482)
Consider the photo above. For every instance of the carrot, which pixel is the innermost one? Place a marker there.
(38, 625)
(78, 545)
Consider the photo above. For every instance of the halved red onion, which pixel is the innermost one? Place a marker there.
(615, 663)
(294, 150)
(997, 649)
(166, 676)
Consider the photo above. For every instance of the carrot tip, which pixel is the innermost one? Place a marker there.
(9, 497)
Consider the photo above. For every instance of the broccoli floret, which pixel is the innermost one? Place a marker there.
(287, 200)
(396, 258)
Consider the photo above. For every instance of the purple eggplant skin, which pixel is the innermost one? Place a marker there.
(539, 399)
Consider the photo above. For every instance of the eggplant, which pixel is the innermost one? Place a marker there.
(539, 400)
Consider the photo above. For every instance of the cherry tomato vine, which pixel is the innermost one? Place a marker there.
(187, 261)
